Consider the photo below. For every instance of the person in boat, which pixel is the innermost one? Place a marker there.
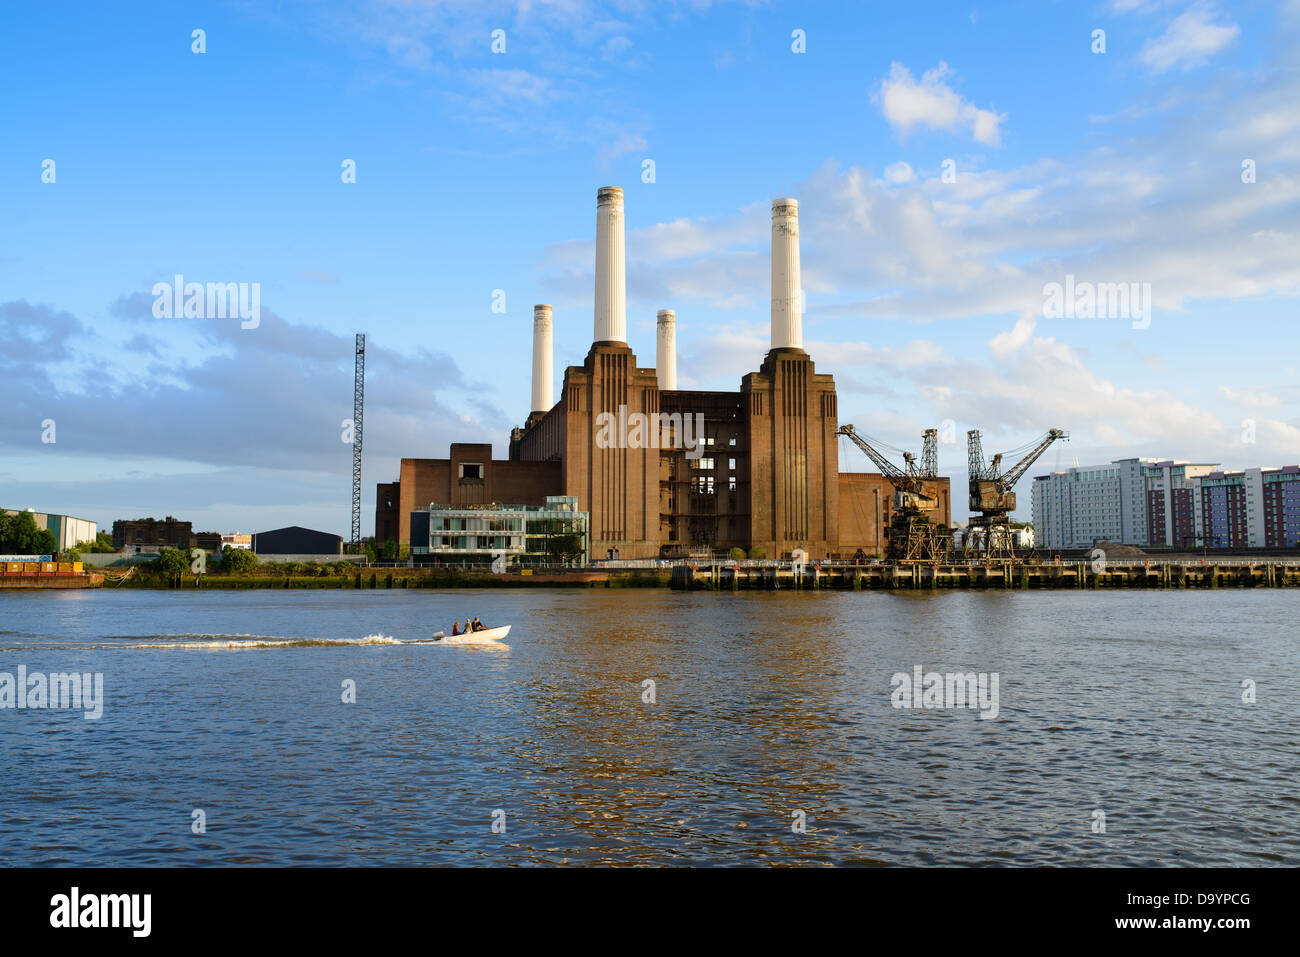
(468, 629)
(455, 627)
(478, 625)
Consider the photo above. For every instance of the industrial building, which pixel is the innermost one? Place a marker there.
(149, 535)
(1168, 503)
(67, 530)
(296, 540)
(663, 472)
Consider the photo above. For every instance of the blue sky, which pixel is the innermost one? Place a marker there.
(477, 171)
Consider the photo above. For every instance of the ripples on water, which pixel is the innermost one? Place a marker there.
(765, 704)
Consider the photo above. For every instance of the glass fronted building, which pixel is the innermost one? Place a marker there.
(550, 534)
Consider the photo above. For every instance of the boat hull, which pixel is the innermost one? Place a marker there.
(476, 637)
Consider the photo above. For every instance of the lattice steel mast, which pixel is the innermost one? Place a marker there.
(358, 415)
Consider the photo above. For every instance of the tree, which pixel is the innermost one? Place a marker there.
(46, 543)
(237, 559)
(172, 561)
(757, 552)
(737, 554)
(390, 550)
(103, 543)
(19, 535)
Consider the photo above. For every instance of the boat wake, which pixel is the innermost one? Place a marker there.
(243, 642)
(228, 642)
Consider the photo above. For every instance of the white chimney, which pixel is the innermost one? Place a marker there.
(666, 350)
(787, 284)
(543, 369)
(611, 271)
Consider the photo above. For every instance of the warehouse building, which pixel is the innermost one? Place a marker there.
(663, 472)
(296, 540)
(67, 530)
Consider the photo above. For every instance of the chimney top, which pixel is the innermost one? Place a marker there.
(609, 196)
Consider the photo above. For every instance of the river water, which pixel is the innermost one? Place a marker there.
(772, 737)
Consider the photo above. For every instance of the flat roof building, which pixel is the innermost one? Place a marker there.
(552, 533)
(149, 535)
(1168, 503)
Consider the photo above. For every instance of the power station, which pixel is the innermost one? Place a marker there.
(755, 468)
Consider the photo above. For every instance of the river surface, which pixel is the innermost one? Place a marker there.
(772, 737)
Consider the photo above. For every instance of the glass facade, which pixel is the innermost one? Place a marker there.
(554, 533)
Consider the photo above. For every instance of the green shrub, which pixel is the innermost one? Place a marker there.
(172, 561)
(757, 552)
(237, 560)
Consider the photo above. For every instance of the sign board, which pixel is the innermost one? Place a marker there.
(26, 558)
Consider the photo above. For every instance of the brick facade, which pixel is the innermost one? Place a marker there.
(767, 473)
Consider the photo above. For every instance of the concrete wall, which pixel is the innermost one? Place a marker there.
(323, 559)
(106, 559)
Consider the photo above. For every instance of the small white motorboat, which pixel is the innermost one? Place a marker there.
(473, 637)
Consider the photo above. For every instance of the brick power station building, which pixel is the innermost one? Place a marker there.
(662, 471)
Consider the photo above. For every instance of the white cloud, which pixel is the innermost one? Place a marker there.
(1250, 398)
(627, 142)
(1005, 344)
(917, 352)
(899, 173)
(933, 104)
(1191, 39)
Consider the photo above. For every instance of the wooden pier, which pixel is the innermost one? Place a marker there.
(1055, 575)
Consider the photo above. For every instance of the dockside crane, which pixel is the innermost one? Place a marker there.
(991, 496)
(913, 536)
